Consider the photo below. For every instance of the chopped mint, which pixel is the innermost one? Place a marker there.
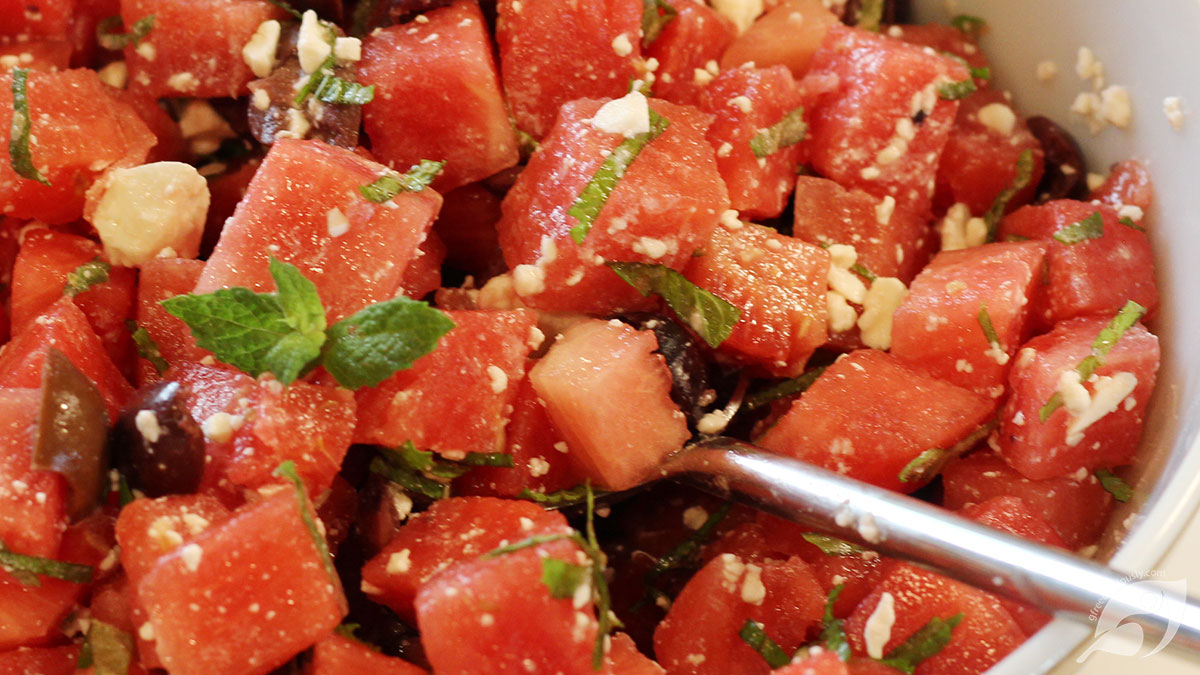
(783, 134)
(108, 650)
(1023, 175)
(796, 385)
(833, 631)
(146, 347)
(25, 568)
(954, 91)
(923, 644)
(712, 317)
(752, 633)
(832, 545)
(1091, 227)
(107, 38)
(19, 153)
(1114, 485)
(656, 14)
(288, 471)
(387, 186)
(1129, 315)
(370, 346)
(563, 578)
(971, 26)
(85, 276)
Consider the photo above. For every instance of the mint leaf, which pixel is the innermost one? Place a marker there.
(833, 631)
(146, 348)
(1091, 227)
(972, 26)
(108, 650)
(1114, 485)
(287, 8)
(980, 73)
(710, 316)
(530, 542)
(299, 301)
(656, 14)
(107, 38)
(1023, 175)
(832, 545)
(370, 346)
(19, 153)
(419, 177)
(557, 498)
(85, 276)
(752, 633)
(926, 642)
(1128, 222)
(1108, 337)
(596, 193)
(783, 134)
(920, 465)
(954, 91)
(928, 464)
(796, 385)
(399, 472)
(562, 577)
(985, 324)
(864, 272)
(287, 470)
(333, 89)
(25, 568)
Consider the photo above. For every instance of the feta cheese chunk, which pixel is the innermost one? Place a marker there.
(628, 115)
(259, 52)
(741, 12)
(312, 45)
(148, 211)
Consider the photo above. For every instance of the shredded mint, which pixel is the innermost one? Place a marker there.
(656, 14)
(287, 470)
(324, 70)
(954, 91)
(864, 272)
(557, 498)
(1091, 227)
(124, 494)
(1128, 222)
(981, 73)
(971, 26)
(928, 464)
(408, 467)
(387, 186)
(108, 650)
(108, 38)
(783, 134)
(796, 385)
(923, 644)
(752, 633)
(370, 346)
(833, 631)
(1114, 485)
(146, 347)
(287, 8)
(85, 276)
(25, 568)
(19, 153)
(563, 578)
(832, 545)
(712, 317)
(1023, 175)
(681, 555)
(920, 465)
(985, 323)
(530, 542)
(595, 194)
(1129, 315)
(333, 89)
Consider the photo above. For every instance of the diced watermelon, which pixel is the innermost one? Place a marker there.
(980, 158)
(424, 274)
(1077, 509)
(161, 279)
(170, 146)
(745, 102)
(80, 131)
(884, 129)
(44, 18)
(445, 61)
(286, 214)
(467, 225)
(48, 55)
(246, 594)
(788, 35)
(609, 395)
(195, 47)
(939, 327)
(451, 531)
(65, 328)
(945, 39)
(986, 635)
(337, 655)
(705, 618)
(1093, 275)
(551, 54)
(696, 36)
(209, 391)
(495, 615)
(40, 275)
(818, 662)
(662, 209)
(40, 660)
(778, 283)
(764, 538)
(110, 603)
(869, 415)
(858, 575)
(623, 658)
(226, 191)
(1128, 184)
(891, 242)
(471, 378)
(1065, 442)
(32, 511)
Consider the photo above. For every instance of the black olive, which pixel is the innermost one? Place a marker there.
(1061, 151)
(685, 359)
(71, 427)
(157, 444)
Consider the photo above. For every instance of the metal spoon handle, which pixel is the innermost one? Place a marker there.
(897, 525)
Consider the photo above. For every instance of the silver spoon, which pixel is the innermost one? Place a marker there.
(1049, 579)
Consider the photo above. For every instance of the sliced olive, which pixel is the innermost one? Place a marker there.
(72, 426)
(1065, 172)
(156, 442)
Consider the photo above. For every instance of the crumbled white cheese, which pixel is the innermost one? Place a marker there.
(628, 115)
(841, 315)
(146, 50)
(184, 82)
(259, 51)
(347, 49)
(526, 280)
(841, 258)
(1095, 180)
(203, 128)
(1131, 212)
(1047, 70)
(336, 222)
(220, 427)
(1173, 109)
(312, 43)
(998, 117)
(884, 210)
(741, 12)
(115, 74)
(753, 590)
(621, 45)
(694, 517)
(701, 77)
(959, 230)
(1115, 106)
(260, 99)
(190, 555)
(1087, 67)
(498, 379)
(742, 103)
(1106, 397)
(147, 425)
(141, 211)
(399, 562)
(538, 467)
(878, 629)
(731, 571)
(146, 632)
(880, 303)
(729, 219)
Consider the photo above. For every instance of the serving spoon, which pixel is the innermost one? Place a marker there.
(897, 525)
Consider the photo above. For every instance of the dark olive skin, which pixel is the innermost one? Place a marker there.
(1060, 150)
(163, 455)
(685, 359)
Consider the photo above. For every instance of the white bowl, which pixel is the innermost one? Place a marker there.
(1151, 48)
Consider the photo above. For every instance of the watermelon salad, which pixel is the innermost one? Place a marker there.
(328, 326)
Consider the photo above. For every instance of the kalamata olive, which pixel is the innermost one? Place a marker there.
(894, 11)
(689, 372)
(157, 444)
(72, 426)
(1064, 176)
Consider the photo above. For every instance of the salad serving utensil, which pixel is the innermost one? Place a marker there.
(1050, 579)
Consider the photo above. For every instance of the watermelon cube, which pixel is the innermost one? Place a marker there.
(551, 53)
(337, 655)
(941, 327)
(817, 662)
(662, 209)
(244, 595)
(1100, 421)
(623, 658)
(47, 55)
(304, 207)
(1128, 184)
(451, 531)
(696, 36)
(1098, 273)
(446, 63)
(609, 394)
(788, 35)
(31, 615)
(159, 280)
(779, 285)
(32, 516)
(40, 660)
(472, 378)
(35, 18)
(869, 415)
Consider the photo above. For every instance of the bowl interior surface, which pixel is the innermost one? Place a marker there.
(1150, 49)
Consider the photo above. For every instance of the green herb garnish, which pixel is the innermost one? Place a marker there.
(656, 14)
(919, 466)
(373, 344)
(985, 323)
(557, 498)
(419, 177)
(928, 464)
(19, 153)
(108, 650)
(107, 38)
(287, 8)
(1091, 227)
(287, 470)
(333, 89)
(954, 91)
(1023, 175)
(712, 317)
(595, 194)
(146, 347)
(796, 385)
(85, 276)
(1114, 485)
(833, 631)
(971, 26)
(926, 642)
(1128, 222)
(783, 134)
(752, 633)
(25, 568)
(870, 15)
(832, 545)
(682, 554)
(863, 271)
(1101, 346)
(563, 578)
